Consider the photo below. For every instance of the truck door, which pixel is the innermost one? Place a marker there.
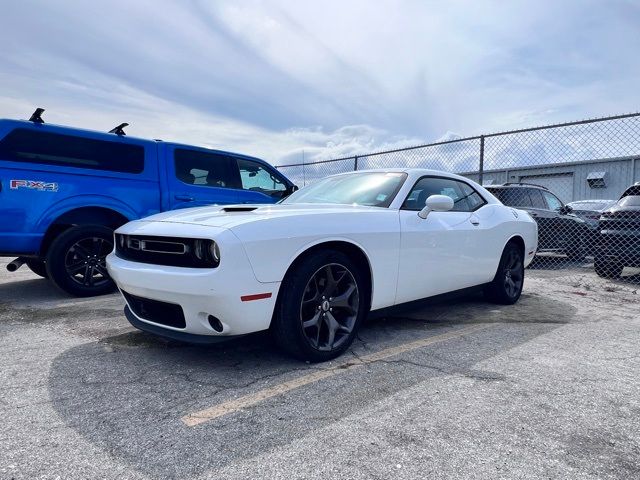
(198, 177)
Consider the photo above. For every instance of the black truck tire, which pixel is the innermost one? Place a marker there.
(38, 267)
(76, 260)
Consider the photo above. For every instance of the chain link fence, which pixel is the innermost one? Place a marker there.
(576, 179)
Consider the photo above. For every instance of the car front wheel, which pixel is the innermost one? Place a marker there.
(324, 300)
(607, 268)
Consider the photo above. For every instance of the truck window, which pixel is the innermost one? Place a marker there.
(257, 178)
(195, 167)
(29, 146)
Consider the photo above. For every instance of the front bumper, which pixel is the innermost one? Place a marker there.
(199, 293)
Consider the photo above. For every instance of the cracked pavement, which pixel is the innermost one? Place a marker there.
(549, 387)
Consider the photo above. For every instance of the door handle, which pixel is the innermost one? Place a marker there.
(184, 198)
(474, 221)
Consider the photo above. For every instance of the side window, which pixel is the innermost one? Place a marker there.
(516, 197)
(195, 167)
(536, 198)
(256, 177)
(474, 199)
(553, 201)
(46, 148)
(465, 198)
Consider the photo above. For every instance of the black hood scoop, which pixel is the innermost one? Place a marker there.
(239, 209)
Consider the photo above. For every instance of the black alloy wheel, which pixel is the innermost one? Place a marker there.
(507, 284)
(329, 307)
(323, 300)
(76, 260)
(85, 261)
(513, 274)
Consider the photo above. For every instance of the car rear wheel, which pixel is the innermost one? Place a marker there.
(38, 267)
(608, 268)
(323, 302)
(76, 260)
(507, 284)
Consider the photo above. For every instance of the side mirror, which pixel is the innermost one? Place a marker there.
(565, 209)
(436, 203)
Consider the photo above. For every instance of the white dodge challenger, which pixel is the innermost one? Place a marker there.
(311, 267)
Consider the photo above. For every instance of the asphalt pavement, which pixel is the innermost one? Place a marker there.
(547, 388)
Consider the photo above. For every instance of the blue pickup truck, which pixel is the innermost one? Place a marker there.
(64, 190)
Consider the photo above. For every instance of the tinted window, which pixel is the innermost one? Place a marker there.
(195, 167)
(474, 199)
(257, 178)
(514, 197)
(553, 201)
(29, 146)
(536, 198)
(465, 198)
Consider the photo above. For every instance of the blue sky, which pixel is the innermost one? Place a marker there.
(332, 78)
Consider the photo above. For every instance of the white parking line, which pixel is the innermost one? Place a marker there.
(231, 406)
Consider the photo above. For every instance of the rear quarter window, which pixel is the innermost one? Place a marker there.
(29, 146)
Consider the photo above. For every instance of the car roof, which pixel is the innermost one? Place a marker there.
(411, 171)
(516, 185)
(593, 201)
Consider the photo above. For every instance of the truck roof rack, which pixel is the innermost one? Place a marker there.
(119, 130)
(525, 183)
(36, 116)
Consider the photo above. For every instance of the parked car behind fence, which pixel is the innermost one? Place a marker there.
(619, 240)
(559, 230)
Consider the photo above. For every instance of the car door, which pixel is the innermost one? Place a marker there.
(570, 231)
(548, 224)
(197, 177)
(446, 251)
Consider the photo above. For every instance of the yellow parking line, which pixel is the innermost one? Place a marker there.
(193, 419)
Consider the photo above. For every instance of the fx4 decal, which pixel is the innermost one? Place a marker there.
(34, 185)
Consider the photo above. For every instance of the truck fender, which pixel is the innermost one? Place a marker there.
(84, 201)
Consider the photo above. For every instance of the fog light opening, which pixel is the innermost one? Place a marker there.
(215, 323)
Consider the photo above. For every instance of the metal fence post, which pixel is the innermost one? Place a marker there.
(481, 166)
(355, 163)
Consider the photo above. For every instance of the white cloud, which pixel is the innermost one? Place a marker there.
(330, 78)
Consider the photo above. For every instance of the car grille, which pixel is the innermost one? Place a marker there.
(155, 311)
(170, 251)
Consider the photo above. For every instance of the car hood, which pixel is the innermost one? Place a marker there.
(229, 216)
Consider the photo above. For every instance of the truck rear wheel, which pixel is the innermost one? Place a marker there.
(38, 267)
(76, 260)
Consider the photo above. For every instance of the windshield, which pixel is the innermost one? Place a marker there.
(630, 201)
(376, 189)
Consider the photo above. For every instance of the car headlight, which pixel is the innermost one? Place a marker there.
(207, 251)
(214, 250)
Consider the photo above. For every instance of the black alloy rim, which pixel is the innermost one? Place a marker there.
(329, 307)
(85, 261)
(513, 274)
